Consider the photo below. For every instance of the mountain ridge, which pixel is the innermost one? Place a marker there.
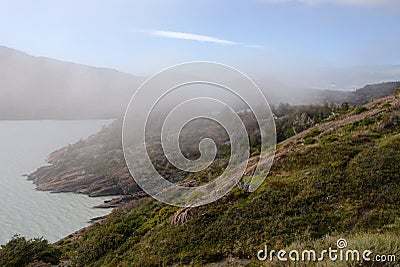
(55, 89)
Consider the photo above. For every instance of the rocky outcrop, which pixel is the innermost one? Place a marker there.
(122, 200)
(94, 166)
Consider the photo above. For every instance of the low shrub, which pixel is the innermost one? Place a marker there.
(20, 252)
(359, 110)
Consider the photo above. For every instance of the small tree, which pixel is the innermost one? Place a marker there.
(20, 252)
(345, 106)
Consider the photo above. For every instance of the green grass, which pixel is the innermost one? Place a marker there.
(360, 109)
(347, 184)
(384, 243)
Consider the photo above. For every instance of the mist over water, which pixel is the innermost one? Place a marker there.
(24, 146)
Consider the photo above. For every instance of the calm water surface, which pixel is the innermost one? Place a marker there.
(24, 146)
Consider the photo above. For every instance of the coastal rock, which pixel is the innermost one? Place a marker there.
(94, 166)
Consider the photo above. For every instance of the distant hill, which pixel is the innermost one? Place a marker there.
(358, 97)
(375, 91)
(44, 88)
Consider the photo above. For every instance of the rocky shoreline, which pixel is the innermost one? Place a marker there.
(121, 200)
(94, 166)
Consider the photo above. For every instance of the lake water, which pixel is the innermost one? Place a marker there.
(24, 146)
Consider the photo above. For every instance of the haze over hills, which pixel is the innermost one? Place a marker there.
(45, 88)
(358, 97)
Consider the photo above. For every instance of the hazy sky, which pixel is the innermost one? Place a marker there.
(276, 38)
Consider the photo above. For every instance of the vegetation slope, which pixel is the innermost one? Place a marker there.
(337, 179)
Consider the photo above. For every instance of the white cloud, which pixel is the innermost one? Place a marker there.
(190, 36)
(195, 37)
(368, 3)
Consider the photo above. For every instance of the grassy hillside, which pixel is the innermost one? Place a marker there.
(338, 179)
